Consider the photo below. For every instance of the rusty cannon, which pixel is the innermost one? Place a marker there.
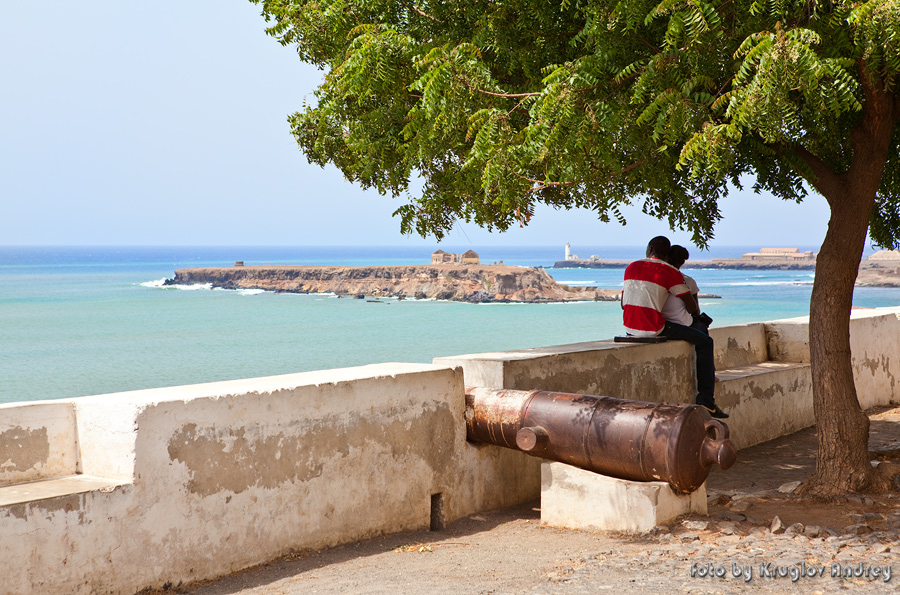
(632, 440)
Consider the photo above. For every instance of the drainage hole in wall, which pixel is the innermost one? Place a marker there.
(437, 512)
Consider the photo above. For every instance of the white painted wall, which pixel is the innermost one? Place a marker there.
(197, 481)
(37, 441)
(231, 474)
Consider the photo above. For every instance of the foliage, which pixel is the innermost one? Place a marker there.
(499, 105)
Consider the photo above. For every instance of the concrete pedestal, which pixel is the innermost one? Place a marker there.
(579, 499)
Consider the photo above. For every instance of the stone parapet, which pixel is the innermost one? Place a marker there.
(177, 484)
(198, 481)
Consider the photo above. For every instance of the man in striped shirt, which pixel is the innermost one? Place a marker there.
(648, 283)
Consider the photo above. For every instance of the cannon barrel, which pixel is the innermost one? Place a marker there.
(632, 440)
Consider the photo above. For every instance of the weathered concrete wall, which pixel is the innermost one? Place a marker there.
(765, 401)
(37, 441)
(740, 345)
(184, 483)
(763, 368)
(655, 372)
(874, 344)
(231, 474)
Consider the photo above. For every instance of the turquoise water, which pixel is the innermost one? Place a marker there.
(81, 321)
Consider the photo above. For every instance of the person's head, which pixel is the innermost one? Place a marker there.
(658, 247)
(677, 256)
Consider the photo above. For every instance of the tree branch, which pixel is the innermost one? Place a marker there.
(541, 184)
(826, 178)
(492, 94)
(649, 45)
(419, 12)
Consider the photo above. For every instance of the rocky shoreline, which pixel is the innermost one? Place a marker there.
(469, 283)
(879, 274)
(872, 273)
(732, 264)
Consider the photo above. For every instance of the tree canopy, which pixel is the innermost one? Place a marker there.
(498, 105)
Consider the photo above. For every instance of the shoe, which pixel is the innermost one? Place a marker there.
(716, 412)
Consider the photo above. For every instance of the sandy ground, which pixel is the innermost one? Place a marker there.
(755, 538)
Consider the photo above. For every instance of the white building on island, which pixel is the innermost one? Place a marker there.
(885, 255)
(441, 257)
(469, 257)
(780, 254)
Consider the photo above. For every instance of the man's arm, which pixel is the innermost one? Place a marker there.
(690, 303)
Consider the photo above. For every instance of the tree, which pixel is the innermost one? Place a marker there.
(499, 105)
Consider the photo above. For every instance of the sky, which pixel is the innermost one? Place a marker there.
(165, 123)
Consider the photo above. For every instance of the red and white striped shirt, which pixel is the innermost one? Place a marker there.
(648, 283)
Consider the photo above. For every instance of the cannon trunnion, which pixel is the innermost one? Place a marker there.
(632, 440)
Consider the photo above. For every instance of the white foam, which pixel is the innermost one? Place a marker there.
(759, 283)
(579, 283)
(160, 284)
(251, 291)
(791, 282)
(550, 303)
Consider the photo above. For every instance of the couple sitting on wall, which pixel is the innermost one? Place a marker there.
(658, 300)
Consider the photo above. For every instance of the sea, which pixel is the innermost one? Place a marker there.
(78, 321)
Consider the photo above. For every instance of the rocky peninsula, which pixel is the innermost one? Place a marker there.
(722, 263)
(874, 273)
(455, 282)
(882, 269)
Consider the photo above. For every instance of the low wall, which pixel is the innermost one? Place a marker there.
(231, 474)
(37, 441)
(171, 485)
(646, 372)
(874, 345)
(765, 382)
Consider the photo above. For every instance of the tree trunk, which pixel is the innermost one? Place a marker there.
(842, 462)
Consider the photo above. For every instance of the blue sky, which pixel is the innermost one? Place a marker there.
(164, 123)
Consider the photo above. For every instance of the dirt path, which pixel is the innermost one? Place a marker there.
(732, 549)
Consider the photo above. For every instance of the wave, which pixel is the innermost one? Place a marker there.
(161, 284)
(759, 283)
(560, 303)
(241, 291)
(580, 283)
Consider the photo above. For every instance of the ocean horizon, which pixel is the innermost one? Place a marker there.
(86, 320)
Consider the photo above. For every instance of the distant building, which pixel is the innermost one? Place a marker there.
(775, 256)
(569, 255)
(885, 255)
(792, 254)
(441, 257)
(767, 258)
(469, 257)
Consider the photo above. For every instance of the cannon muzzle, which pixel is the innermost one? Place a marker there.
(632, 440)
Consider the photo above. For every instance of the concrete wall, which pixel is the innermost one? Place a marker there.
(163, 486)
(874, 344)
(656, 372)
(37, 441)
(765, 379)
(226, 475)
